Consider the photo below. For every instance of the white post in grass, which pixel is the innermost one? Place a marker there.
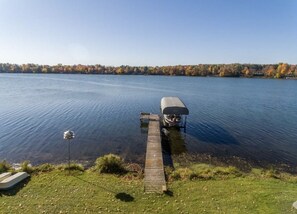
(68, 135)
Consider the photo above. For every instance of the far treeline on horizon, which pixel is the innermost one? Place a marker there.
(280, 70)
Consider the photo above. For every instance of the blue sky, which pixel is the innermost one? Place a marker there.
(148, 32)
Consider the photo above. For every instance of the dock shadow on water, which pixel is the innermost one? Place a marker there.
(212, 133)
(173, 144)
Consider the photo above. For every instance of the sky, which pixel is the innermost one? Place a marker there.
(148, 32)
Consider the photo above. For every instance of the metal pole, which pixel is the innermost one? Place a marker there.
(68, 156)
(68, 135)
(185, 125)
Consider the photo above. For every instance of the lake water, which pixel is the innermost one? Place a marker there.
(252, 119)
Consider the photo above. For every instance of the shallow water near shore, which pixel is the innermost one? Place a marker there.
(252, 119)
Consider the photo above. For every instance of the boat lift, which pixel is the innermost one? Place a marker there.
(174, 112)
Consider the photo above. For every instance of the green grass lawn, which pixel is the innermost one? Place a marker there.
(91, 192)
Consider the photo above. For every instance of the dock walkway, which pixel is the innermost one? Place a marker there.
(154, 177)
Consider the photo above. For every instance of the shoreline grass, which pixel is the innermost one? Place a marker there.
(219, 190)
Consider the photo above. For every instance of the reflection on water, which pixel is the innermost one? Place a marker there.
(176, 140)
(173, 144)
(254, 119)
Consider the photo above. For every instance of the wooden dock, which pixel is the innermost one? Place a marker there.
(154, 177)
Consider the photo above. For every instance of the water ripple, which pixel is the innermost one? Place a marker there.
(241, 117)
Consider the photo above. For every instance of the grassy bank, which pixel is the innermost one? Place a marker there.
(219, 190)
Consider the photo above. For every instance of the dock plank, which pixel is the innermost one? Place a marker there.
(154, 177)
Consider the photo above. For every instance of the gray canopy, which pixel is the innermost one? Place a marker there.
(173, 105)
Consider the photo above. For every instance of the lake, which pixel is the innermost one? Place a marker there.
(252, 119)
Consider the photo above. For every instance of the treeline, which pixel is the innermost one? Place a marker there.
(281, 70)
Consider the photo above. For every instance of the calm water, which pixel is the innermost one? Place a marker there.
(254, 119)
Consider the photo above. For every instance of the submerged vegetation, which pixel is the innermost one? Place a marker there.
(281, 70)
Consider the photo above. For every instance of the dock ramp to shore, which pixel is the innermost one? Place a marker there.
(154, 177)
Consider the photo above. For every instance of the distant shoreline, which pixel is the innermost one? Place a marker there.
(269, 71)
(235, 77)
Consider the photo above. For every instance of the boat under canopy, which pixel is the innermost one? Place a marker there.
(173, 106)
